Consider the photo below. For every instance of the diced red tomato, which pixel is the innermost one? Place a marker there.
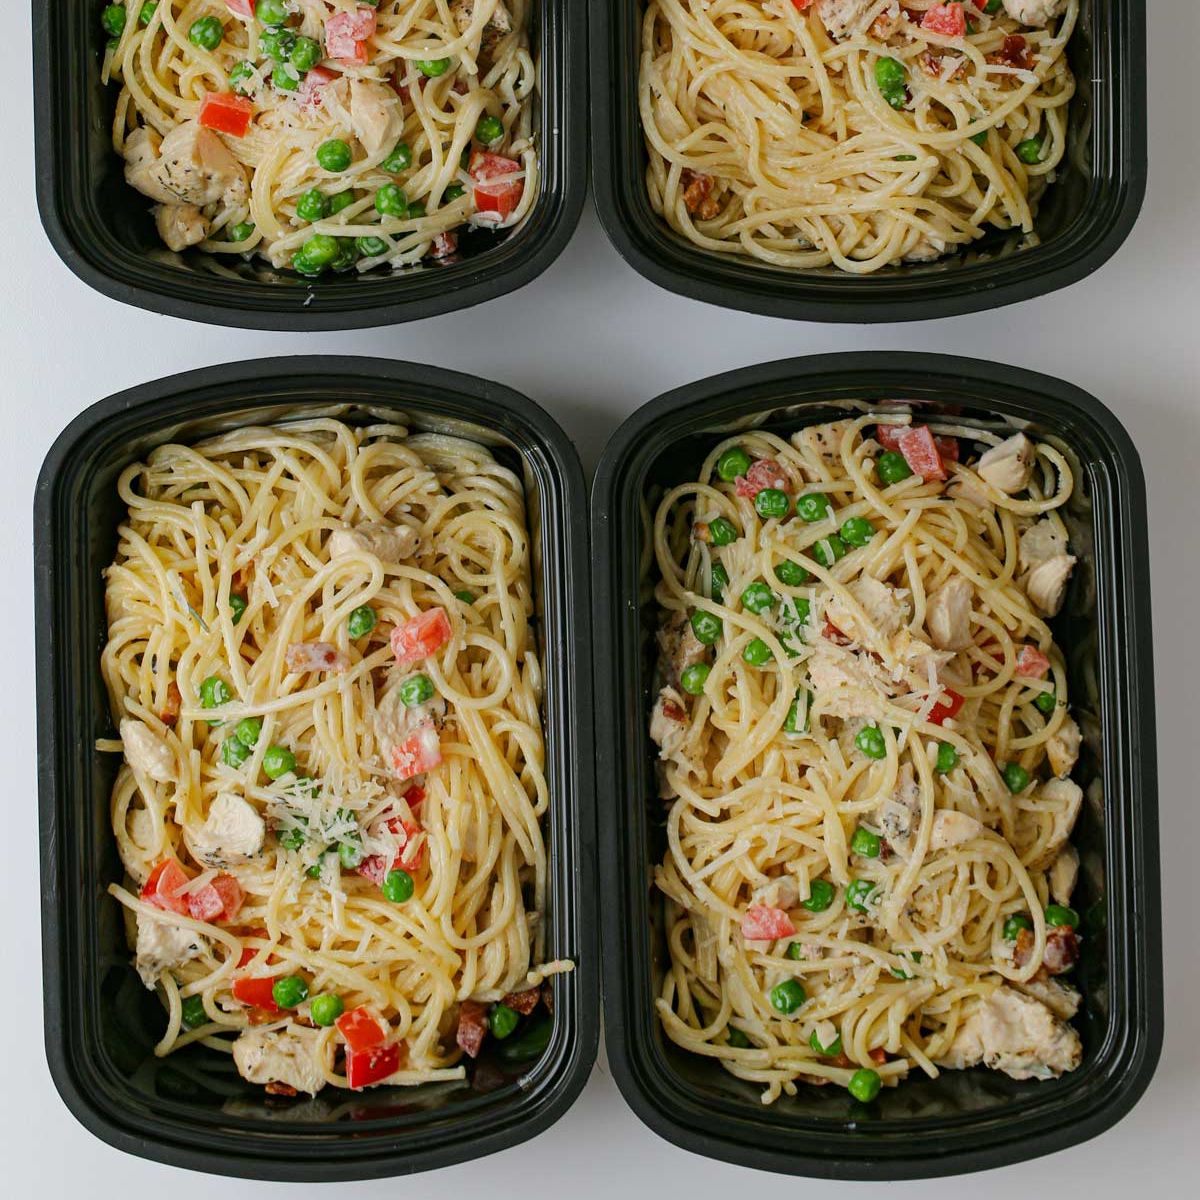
(802, 5)
(346, 34)
(947, 707)
(947, 19)
(256, 990)
(231, 893)
(164, 886)
(761, 923)
(892, 437)
(765, 473)
(418, 753)
(1032, 663)
(365, 1067)
(241, 8)
(362, 1027)
(472, 1027)
(226, 113)
(205, 903)
(420, 637)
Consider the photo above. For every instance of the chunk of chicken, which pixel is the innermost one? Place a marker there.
(1064, 871)
(1035, 12)
(925, 249)
(952, 828)
(1046, 584)
(376, 115)
(162, 946)
(669, 722)
(948, 614)
(781, 892)
(845, 684)
(1041, 542)
(191, 165)
(1016, 1034)
(1060, 998)
(899, 816)
(389, 543)
(824, 441)
(146, 752)
(843, 18)
(1008, 466)
(181, 225)
(1063, 798)
(679, 646)
(233, 832)
(497, 26)
(1063, 747)
(288, 1056)
(304, 657)
(396, 722)
(886, 610)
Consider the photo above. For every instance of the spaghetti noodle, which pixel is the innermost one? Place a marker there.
(328, 692)
(858, 133)
(866, 746)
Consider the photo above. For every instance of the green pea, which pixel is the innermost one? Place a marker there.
(758, 597)
(737, 1039)
(859, 894)
(719, 581)
(732, 464)
(820, 895)
(1016, 777)
(277, 44)
(207, 33)
(904, 158)
(812, 507)
(771, 502)
(794, 951)
(416, 689)
(314, 872)
(706, 626)
(339, 202)
(320, 249)
(864, 1085)
(237, 602)
(285, 77)
(791, 573)
(831, 1051)
(313, 205)
(693, 678)
(146, 12)
(416, 209)
(871, 742)
(334, 155)
(787, 996)
(530, 1043)
(890, 77)
(239, 75)
(371, 247)
(1014, 925)
(722, 532)
(900, 972)
(293, 839)
(502, 1021)
(233, 752)
(453, 192)
(326, 1008)
(992, 6)
(757, 653)
(278, 761)
(193, 1012)
(271, 12)
(792, 723)
(399, 160)
(361, 621)
(489, 130)
(214, 692)
(891, 467)
(828, 550)
(465, 596)
(347, 255)
(350, 852)
(857, 531)
(1060, 914)
(390, 201)
(431, 68)
(289, 991)
(398, 886)
(947, 758)
(1030, 150)
(865, 843)
(1045, 701)
(305, 54)
(112, 17)
(980, 138)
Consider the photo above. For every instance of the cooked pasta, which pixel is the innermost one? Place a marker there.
(325, 134)
(866, 745)
(858, 133)
(328, 692)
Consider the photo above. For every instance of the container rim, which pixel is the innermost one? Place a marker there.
(569, 1072)
(632, 1068)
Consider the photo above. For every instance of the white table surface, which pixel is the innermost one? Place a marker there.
(591, 341)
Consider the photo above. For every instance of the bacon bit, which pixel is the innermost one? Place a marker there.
(949, 707)
(309, 93)
(834, 634)
(674, 711)
(1032, 663)
(1014, 53)
(346, 34)
(412, 855)
(523, 1002)
(472, 1027)
(548, 998)
(444, 245)
(932, 63)
(697, 197)
(840, 1060)
(302, 657)
(762, 923)
(947, 447)
(280, 1089)
(878, 1055)
(947, 19)
(1023, 949)
(1062, 949)
(765, 473)
(883, 27)
(169, 713)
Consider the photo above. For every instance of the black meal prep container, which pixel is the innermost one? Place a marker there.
(192, 1109)
(103, 230)
(1084, 216)
(964, 1120)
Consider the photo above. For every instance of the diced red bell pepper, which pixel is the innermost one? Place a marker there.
(346, 34)
(365, 1067)
(472, 1027)
(226, 113)
(444, 245)
(309, 92)
(921, 453)
(834, 634)
(946, 708)
(765, 473)
(947, 19)
(257, 991)
(888, 436)
(411, 857)
(1032, 663)
(164, 887)
(418, 753)
(241, 8)
(762, 923)
(363, 1028)
(803, 5)
(420, 637)
(495, 192)
(221, 898)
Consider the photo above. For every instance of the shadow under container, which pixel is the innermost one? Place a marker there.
(963, 1120)
(192, 1109)
(1085, 215)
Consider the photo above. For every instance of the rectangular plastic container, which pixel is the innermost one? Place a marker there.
(1083, 218)
(192, 1109)
(964, 1120)
(103, 230)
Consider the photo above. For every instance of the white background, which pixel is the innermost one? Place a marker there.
(592, 341)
